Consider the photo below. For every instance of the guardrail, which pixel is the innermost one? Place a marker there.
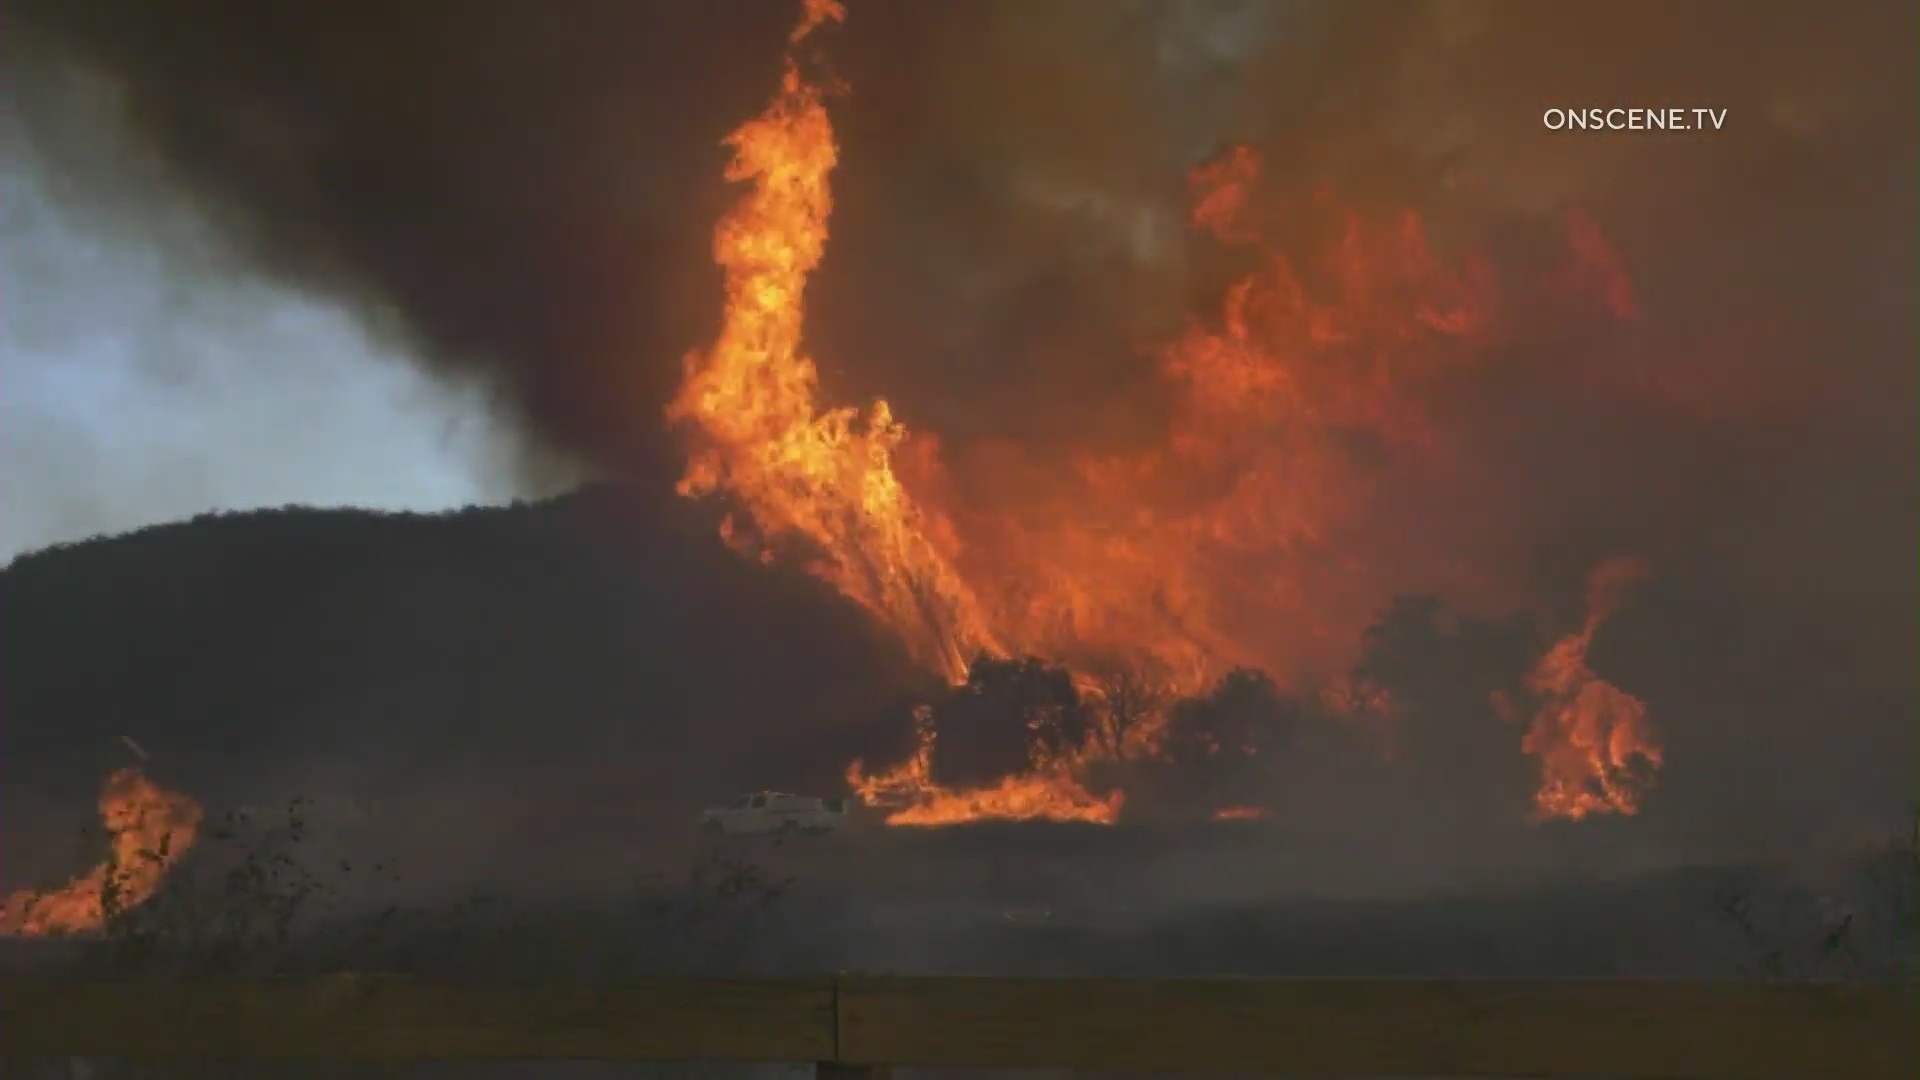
(856, 1026)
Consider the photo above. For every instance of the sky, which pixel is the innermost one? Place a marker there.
(147, 375)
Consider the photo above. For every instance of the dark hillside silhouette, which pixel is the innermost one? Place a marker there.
(606, 637)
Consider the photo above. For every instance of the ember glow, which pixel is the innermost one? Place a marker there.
(1595, 744)
(1255, 534)
(150, 828)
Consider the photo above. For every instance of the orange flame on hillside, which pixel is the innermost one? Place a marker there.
(823, 478)
(1242, 813)
(1249, 537)
(1594, 741)
(150, 827)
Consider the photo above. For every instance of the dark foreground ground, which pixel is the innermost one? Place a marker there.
(1005, 900)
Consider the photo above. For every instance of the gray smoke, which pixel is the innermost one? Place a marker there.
(151, 374)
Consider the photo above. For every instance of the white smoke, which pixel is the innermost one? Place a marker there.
(146, 375)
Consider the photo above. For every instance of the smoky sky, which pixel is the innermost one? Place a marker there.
(526, 200)
(152, 375)
(532, 198)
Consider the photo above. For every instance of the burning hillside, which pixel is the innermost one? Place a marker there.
(1257, 534)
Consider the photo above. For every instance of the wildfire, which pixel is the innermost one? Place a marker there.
(1245, 539)
(150, 827)
(1241, 813)
(1255, 534)
(823, 478)
(1037, 796)
(1050, 790)
(1596, 746)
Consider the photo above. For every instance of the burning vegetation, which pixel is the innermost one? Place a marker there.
(806, 475)
(1248, 541)
(148, 828)
(1597, 751)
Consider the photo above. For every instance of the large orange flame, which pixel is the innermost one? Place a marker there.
(822, 477)
(150, 828)
(1249, 537)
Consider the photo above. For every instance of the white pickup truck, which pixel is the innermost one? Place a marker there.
(775, 812)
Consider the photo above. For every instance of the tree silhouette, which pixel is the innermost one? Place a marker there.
(1007, 710)
(1218, 749)
(1130, 701)
(1442, 671)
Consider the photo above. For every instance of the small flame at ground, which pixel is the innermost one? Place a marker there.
(1048, 791)
(150, 827)
(1595, 743)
